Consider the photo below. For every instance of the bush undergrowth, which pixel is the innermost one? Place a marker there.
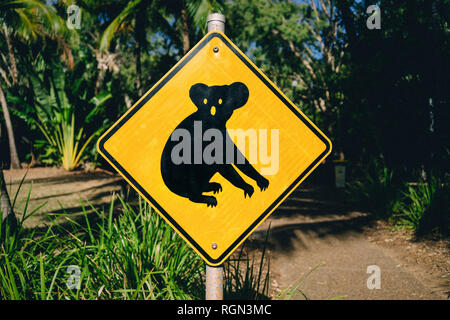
(422, 206)
(126, 252)
(131, 255)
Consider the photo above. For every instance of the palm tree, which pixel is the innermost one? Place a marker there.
(135, 18)
(140, 15)
(198, 11)
(5, 203)
(23, 21)
(14, 157)
(192, 13)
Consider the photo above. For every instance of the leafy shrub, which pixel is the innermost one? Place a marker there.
(377, 192)
(245, 278)
(425, 207)
(65, 141)
(126, 253)
(135, 255)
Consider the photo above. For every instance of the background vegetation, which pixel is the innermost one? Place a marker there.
(127, 252)
(381, 95)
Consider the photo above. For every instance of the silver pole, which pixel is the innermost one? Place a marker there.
(214, 283)
(216, 22)
(214, 275)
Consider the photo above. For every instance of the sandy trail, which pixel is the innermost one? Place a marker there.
(313, 229)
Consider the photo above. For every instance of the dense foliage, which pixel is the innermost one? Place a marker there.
(382, 95)
(126, 252)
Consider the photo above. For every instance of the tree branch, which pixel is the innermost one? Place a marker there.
(5, 77)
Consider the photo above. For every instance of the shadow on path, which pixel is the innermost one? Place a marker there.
(308, 214)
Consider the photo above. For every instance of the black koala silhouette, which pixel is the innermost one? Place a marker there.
(189, 179)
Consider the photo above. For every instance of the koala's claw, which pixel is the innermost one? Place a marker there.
(215, 187)
(248, 191)
(210, 201)
(263, 184)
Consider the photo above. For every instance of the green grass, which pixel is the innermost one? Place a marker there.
(294, 290)
(377, 192)
(124, 252)
(425, 207)
(246, 278)
(422, 206)
(130, 255)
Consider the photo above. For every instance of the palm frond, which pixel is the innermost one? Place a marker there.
(199, 9)
(124, 16)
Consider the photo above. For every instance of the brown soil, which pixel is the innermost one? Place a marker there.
(427, 258)
(59, 191)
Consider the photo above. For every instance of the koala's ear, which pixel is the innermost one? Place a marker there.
(197, 93)
(238, 92)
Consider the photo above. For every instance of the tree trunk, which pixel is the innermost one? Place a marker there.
(348, 22)
(127, 101)
(12, 58)
(15, 163)
(185, 28)
(138, 65)
(100, 77)
(138, 68)
(5, 203)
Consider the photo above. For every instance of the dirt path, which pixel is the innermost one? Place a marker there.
(313, 229)
(61, 191)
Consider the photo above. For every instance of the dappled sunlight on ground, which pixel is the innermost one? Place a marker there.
(62, 191)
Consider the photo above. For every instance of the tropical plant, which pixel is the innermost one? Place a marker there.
(5, 203)
(56, 120)
(198, 11)
(135, 255)
(122, 252)
(417, 200)
(166, 17)
(24, 21)
(136, 17)
(425, 206)
(299, 45)
(192, 14)
(66, 139)
(377, 192)
(246, 278)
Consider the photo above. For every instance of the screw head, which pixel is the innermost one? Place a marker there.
(214, 246)
(216, 49)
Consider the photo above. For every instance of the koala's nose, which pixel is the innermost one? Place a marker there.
(213, 110)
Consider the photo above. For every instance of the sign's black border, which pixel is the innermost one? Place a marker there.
(150, 94)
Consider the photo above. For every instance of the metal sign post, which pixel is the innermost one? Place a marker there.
(214, 283)
(214, 275)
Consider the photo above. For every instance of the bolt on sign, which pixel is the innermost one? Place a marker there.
(214, 147)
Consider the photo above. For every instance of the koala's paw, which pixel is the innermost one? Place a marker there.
(248, 190)
(263, 183)
(215, 187)
(210, 201)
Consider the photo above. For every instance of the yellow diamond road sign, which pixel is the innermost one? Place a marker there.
(214, 147)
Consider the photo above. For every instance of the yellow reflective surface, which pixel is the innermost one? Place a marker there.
(135, 143)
